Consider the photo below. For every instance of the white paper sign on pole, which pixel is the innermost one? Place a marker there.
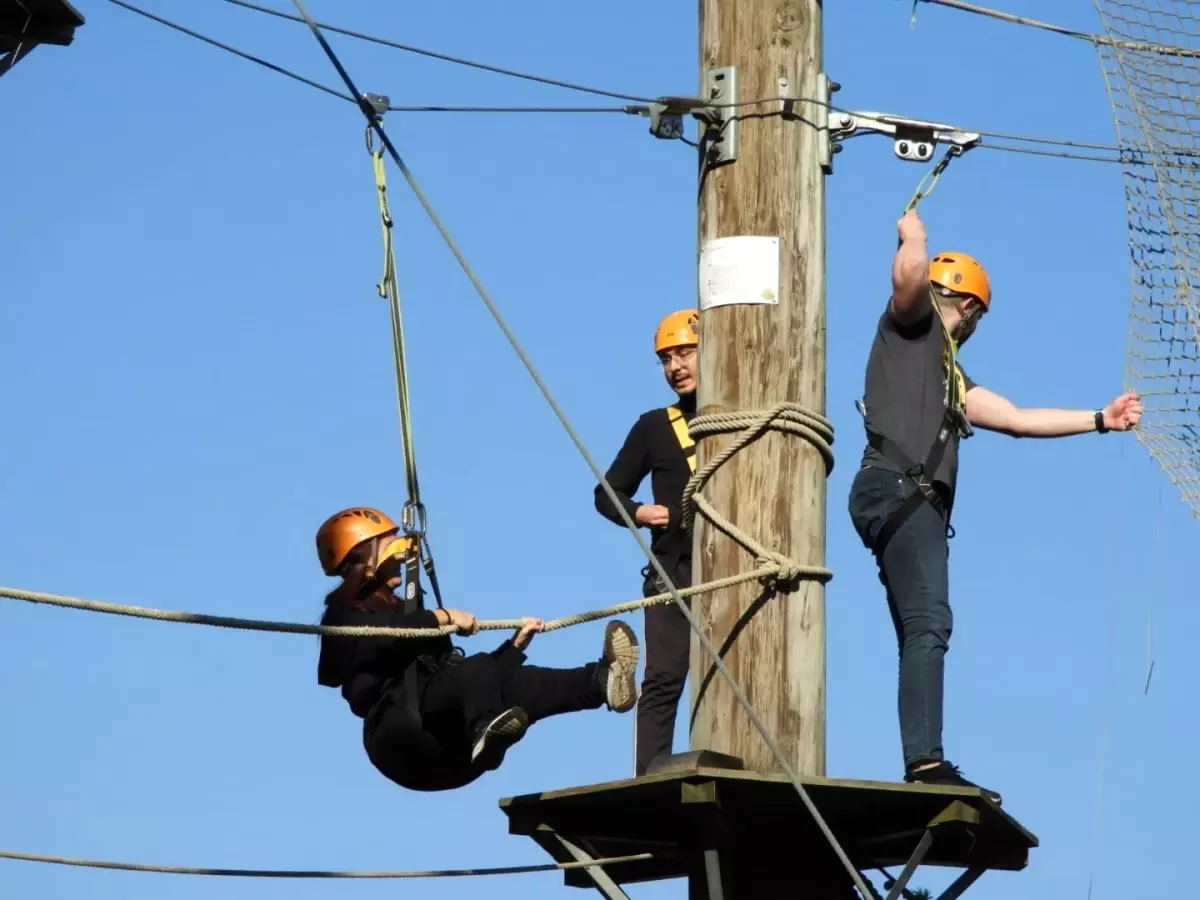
(742, 270)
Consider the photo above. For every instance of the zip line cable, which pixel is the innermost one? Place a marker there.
(1091, 38)
(582, 110)
(714, 654)
(1123, 154)
(300, 873)
(236, 52)
(421, 51)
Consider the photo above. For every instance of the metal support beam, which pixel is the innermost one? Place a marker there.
(712, 873)
(13, 57)
(604, 884)
(918, 856)
(961, 883)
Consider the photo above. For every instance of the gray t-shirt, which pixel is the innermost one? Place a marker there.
(905, 394)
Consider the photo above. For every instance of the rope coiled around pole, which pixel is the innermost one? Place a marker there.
(749, 425)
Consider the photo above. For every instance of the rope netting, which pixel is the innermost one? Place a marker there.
(1151, 63)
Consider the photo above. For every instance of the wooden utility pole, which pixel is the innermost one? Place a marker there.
(751, 835)
(753, 355)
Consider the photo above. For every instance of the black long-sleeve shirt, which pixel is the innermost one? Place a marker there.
(652, 448)
(361, 666)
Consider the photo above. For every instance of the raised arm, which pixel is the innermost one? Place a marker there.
(910, 272)
(991, 412)
(631, 466)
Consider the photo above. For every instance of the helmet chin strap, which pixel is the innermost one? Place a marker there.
(966, 323)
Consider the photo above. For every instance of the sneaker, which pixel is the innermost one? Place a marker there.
(944, 773)
(619, 666)
(493, 739)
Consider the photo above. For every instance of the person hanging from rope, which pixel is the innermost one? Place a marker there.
(435, 719)
(901, 497)
(658, 445)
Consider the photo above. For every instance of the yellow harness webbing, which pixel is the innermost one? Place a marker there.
(680, 426)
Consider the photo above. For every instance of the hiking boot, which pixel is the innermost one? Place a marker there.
(618, 666)
(944, 773)
(493, 739)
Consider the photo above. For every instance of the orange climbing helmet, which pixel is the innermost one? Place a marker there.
(962, 274)
(680, 329)
(345, 530)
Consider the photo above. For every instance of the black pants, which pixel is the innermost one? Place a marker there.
(430, 750)
(914, 570)
(668, 641)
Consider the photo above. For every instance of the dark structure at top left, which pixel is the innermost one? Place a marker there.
(25, 24)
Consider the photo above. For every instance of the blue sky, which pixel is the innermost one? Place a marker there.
(196, 371)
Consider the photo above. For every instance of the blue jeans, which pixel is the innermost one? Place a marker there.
(914, 569)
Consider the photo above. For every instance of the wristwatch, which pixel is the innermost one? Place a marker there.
(1100, 426)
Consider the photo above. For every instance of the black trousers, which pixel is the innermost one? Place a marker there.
(915, 570)
(668, 641)
(426, 745)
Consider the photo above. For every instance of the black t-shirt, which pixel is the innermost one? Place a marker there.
(652, 448)
(905, 393)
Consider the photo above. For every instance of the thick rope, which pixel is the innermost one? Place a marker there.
(786, 417)
(294, 873)
(189, 618)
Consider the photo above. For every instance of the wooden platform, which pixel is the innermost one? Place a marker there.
(760, 819)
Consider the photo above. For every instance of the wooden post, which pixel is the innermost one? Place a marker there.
(752, 356)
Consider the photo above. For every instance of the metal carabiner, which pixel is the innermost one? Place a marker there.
(412, 519)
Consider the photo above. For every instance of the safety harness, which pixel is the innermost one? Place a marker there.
(954, 424)
(680, 426)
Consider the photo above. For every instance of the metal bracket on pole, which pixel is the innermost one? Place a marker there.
(913, 140)
(828, 144)
(718, 110)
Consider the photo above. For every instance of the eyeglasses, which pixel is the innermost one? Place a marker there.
(679, 354)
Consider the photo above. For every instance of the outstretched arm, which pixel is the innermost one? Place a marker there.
(910, 272)
(992, 412)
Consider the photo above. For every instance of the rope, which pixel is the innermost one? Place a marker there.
(295, 873)
(234, 622)
(785, 417)
(664, 578)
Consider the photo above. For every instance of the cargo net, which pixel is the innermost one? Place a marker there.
(1150, 54)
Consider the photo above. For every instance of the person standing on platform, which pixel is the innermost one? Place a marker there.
(659, 445)
(901, 497)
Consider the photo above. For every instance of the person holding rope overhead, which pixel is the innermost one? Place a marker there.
(659, 445)
(434, 719)
(900, 501)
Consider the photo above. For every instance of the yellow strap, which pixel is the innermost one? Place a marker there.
(680, 426)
